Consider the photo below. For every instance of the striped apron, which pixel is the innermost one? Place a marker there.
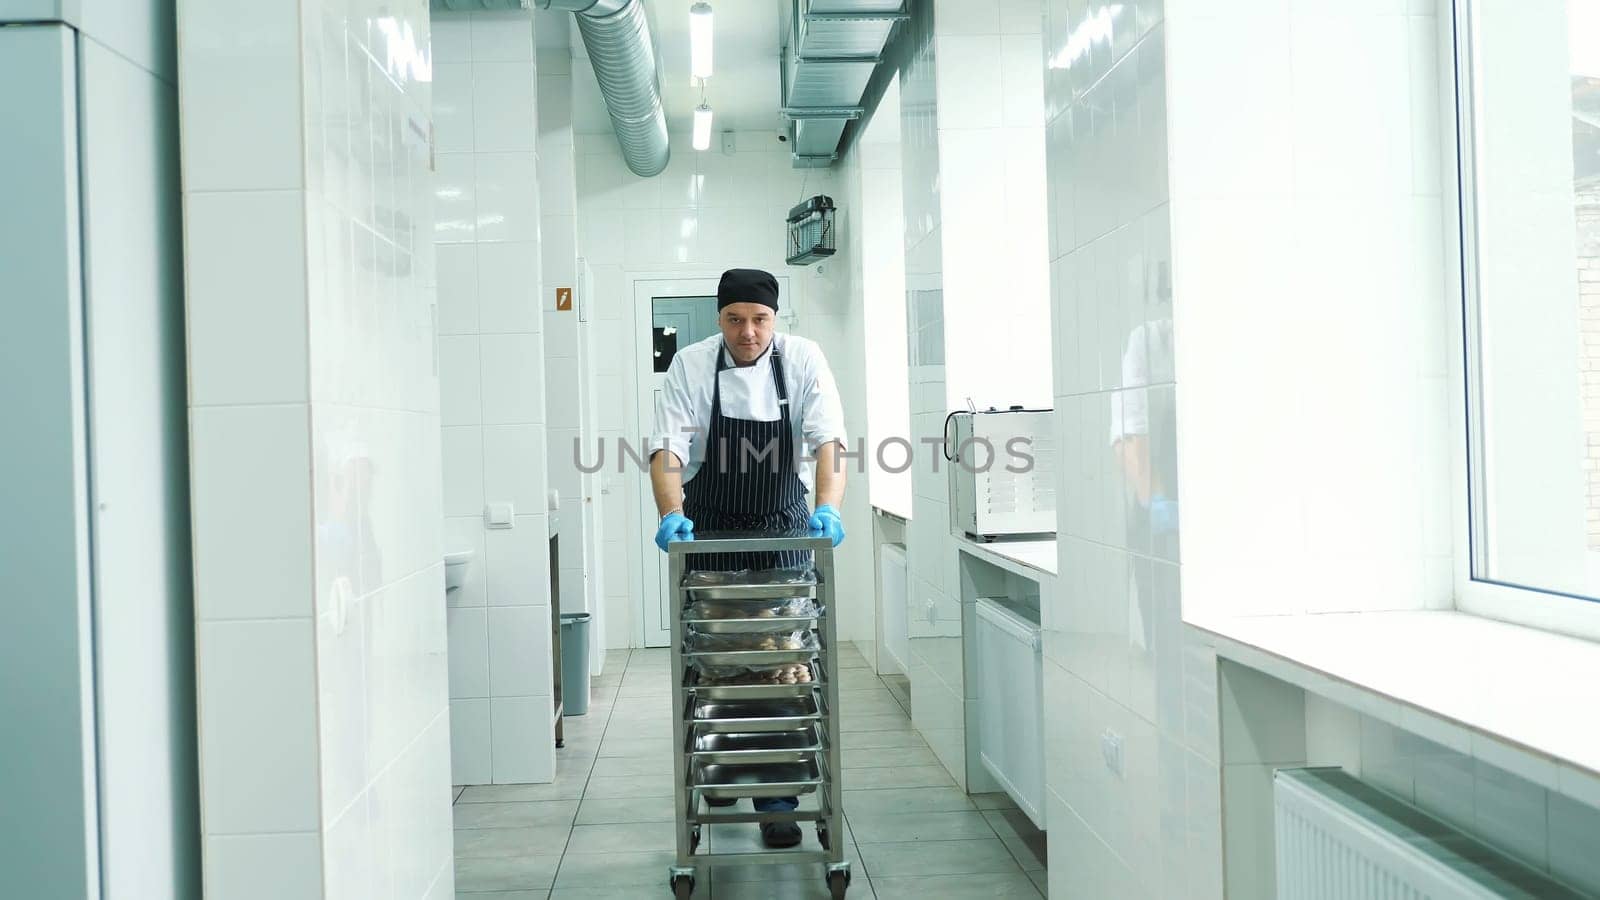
(747, 481)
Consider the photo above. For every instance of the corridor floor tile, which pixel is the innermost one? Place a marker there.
(956, 887)
(603, 830)
(524, 814)
(939, 858)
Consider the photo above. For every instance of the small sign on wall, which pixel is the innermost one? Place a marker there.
(563, 299)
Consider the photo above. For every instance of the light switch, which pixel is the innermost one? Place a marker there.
(499, 515)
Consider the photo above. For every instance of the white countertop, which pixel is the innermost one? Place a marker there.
(1030, 559)
(1521, 699)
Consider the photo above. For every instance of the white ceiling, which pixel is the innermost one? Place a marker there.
(744, 88)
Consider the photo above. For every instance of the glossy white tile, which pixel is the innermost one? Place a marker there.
(507, 196)
(462, 459)
(453, 107)
(250, 126)
(508, 287)
(956, 17)
(455, 204)
(452, 37)
(519, 651)
(503, 36)
(504, 106)
(264, 866)
(470, 761)
(514, 459)
(523, 739)
(519, 563)
(247, 297)
(469, 652)
(971, 92)
(252, 524)
(513, 379)
(257, 698)
(1512, 813)
(460, 380)
(457, 288)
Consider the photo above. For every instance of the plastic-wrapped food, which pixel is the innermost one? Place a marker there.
(750, 577)
(795, 673)
(701, 642)
(783, 607)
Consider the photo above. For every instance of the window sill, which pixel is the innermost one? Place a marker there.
(1520, 699)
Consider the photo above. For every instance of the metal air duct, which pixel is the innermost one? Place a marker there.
(617, 37)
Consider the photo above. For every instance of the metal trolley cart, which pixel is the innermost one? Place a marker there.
(756, 700)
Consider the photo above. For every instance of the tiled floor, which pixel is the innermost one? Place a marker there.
(603, 830)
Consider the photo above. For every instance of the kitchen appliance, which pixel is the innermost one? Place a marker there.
(1002, 472)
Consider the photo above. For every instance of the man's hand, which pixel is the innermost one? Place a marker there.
(826, 521)
(674, 527)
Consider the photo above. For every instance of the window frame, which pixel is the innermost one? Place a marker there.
(1534, 607)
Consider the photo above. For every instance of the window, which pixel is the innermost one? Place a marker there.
(1529, 98)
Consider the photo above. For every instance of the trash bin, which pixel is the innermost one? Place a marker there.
(575, 663)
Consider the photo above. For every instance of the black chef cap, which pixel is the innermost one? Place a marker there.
(747, 286)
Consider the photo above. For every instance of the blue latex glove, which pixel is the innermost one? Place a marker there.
(675, 527)
(1163, 515)
(826, 520)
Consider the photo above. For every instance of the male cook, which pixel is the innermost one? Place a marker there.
(739, 411)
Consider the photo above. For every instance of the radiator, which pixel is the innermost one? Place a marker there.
(1010, 681)
(892, 587)
(1340, 839)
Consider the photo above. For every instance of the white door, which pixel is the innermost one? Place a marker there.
(668, 314)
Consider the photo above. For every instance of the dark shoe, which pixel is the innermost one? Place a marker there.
(779, 835)
(721, 801)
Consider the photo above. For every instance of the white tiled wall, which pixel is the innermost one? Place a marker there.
(314, 447)
(992, 164)
(707, 212)
(876, 230)
(487, 227)
(972, 138)
(1117, 667)
(569, 381)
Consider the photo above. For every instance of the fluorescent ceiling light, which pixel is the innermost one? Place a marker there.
(700, 40)
(702, 127)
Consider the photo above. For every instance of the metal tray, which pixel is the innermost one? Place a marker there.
(771, 747)
(751, 691)
(751, 591)
(752, 657)
(722, 781)
(752, 625)
(765, 584)
(748, 716)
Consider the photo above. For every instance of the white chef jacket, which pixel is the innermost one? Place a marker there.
(748, 392)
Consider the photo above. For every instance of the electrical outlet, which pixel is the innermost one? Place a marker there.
(1111, 750)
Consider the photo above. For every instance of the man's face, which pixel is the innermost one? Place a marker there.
(747, 327)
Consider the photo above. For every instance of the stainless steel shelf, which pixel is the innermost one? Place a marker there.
(722, 781)
(744, 749)
(755, 740)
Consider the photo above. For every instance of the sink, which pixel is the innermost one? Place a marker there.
(456, 565)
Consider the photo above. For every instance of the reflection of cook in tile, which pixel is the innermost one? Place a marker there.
(344, 527)
(1152, 507)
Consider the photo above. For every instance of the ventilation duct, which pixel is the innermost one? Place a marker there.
(617, 37)
(832, 50)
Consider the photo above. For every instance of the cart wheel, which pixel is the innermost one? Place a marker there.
(822, 836)
(838, 883)
(683, 887)
(694, 838)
